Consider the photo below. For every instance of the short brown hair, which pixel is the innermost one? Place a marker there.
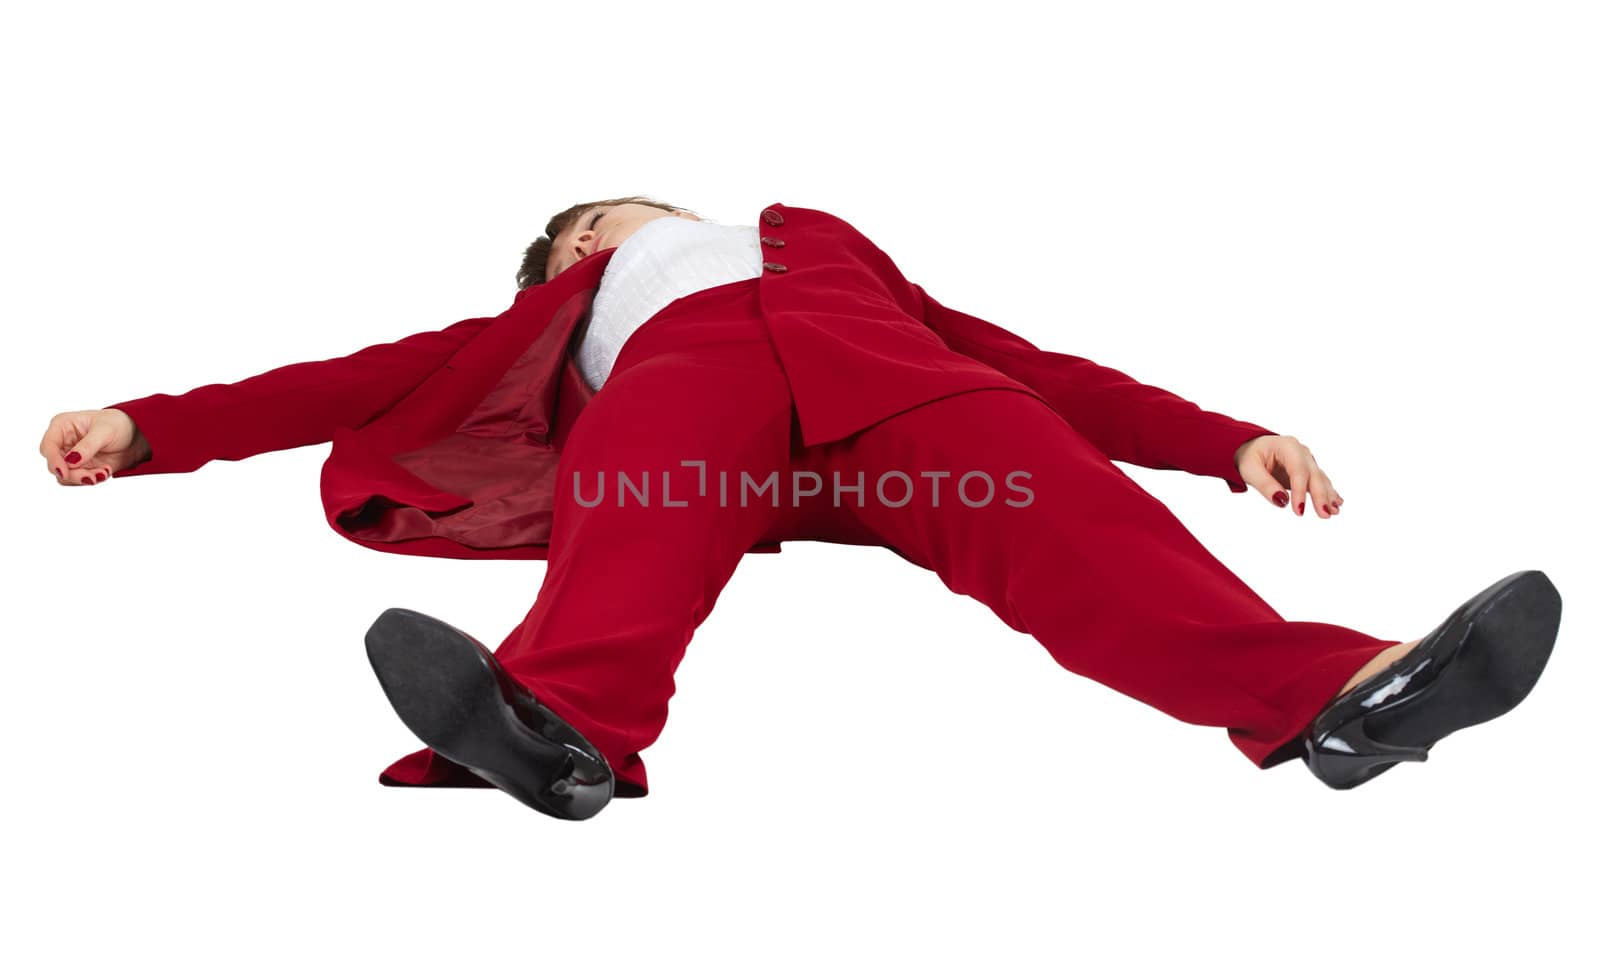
(537, 255)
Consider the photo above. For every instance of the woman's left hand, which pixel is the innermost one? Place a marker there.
(1273, 462)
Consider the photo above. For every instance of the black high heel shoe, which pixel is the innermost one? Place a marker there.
(456, 697)
(1476, 665)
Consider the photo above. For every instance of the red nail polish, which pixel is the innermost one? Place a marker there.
(1281, 499)
(87, 481)
(1301, 510)
(1325, 510)
(102, 476)
(74, 458)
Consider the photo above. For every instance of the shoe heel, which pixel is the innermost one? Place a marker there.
(1345, 756)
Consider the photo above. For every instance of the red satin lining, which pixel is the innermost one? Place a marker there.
(501, 460)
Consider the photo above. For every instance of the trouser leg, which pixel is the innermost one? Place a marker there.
(1100, 572)
(625, 587)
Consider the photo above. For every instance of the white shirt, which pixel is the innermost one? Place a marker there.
(665, 259)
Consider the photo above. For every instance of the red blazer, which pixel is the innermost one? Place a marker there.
(446, 443)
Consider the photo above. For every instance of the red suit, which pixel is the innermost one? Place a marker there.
(830, 367)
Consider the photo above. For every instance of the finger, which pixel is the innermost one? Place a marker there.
(49, 443)
(1322, 492)
(89, 446)
(55, 442)
(1317, 491)
(1322, 495)
(65, 476)
(1253, 472)
(1316, 487)
(65, 431)
(71, 455)
(1269, 479)
(1299, 480)
(1334, 500)
(76, 474)
(67, 473)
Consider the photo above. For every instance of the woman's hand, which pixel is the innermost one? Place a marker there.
(1273, 462)
(85, 446)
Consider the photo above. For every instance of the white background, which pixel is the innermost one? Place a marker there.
(1372, 226)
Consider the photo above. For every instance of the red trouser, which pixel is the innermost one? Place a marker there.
(1074, 553)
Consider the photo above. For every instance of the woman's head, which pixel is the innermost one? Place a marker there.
(584, 229)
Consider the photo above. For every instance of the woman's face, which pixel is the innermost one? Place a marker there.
(602, 227)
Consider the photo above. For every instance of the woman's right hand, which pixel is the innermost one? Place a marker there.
(85, 446)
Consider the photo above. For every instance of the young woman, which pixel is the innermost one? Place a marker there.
(668, 393)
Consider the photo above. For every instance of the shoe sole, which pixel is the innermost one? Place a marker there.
(441, 683)
(1503, 650)
(1502, 640)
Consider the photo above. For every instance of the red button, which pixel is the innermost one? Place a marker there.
(774, 243)
(771, 217)
(776, 267)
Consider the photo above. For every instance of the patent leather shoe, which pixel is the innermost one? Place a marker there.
(456, 697)
(1476, 665)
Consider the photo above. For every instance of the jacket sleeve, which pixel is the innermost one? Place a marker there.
(1126, 420)
(289, 407)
